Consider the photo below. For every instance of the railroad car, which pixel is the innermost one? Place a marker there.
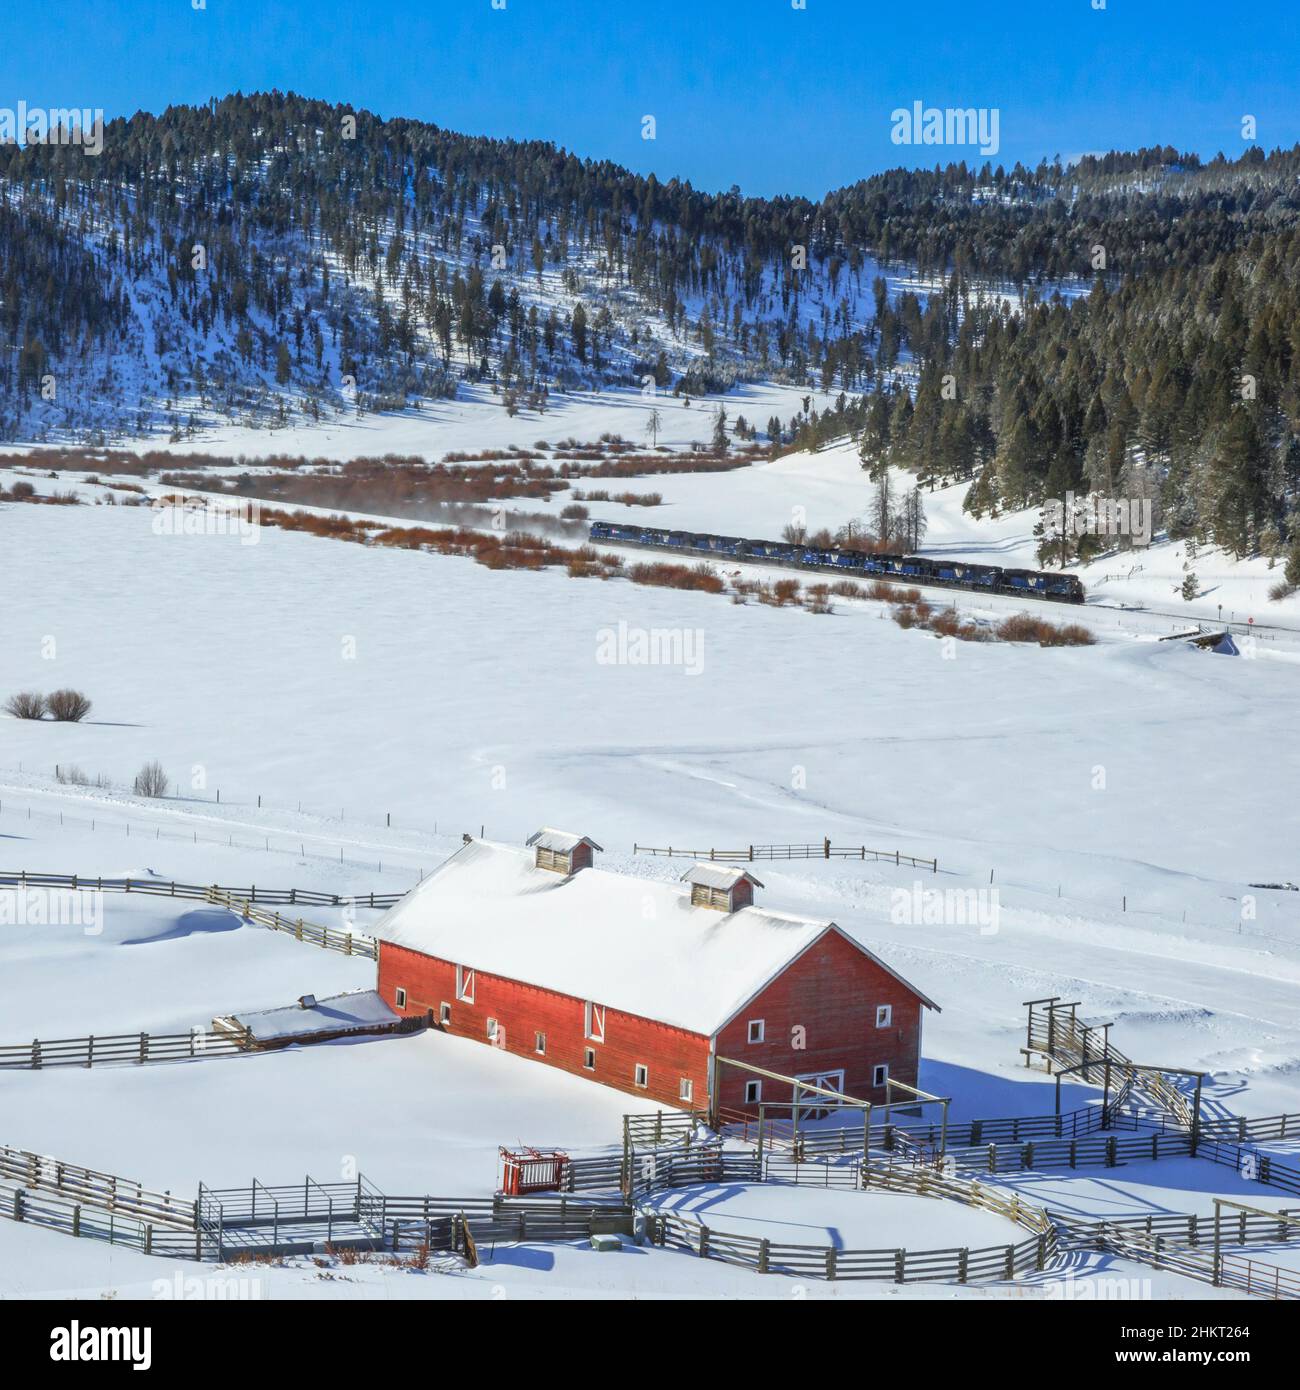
(958, 574)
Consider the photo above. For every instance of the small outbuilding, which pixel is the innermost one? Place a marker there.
(561, 852)
(312, 1020)
(721, 888)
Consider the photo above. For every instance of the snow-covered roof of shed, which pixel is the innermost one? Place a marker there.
(717, 876)
(634, 944)
(559, 841)
(358, 1008)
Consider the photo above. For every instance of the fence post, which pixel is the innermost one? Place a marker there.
(764, 1247)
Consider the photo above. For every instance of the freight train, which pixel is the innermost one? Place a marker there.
(914, 569)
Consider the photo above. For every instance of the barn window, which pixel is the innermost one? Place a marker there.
(492, 1028)
(884, 1015)
(464, 984)
(686, 1091)
(642, 1074)
(757, 1028)
(444, 1013)
(589, 1059)
(753, 1092)
(593, 1022)
(539, 1044)
(400, 995)
(880, 1074)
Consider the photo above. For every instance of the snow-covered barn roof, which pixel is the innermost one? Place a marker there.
(717, 876)
(559, 841)
(634, 944)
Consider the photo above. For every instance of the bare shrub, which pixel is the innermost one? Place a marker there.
(904, 616)
(27, 704)
(151, 780)
(946, 623)
(68, 706)
(1073, 635)
(785, 591)
(1281, 590)
(818, 599)
(575, 511)
(700, 577)
(72, 775)
(892, 593)
(1023, 627)
(848, 588)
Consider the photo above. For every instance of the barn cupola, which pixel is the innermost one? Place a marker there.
(723, 889)
(562, 852)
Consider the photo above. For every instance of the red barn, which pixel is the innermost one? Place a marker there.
(637, 982)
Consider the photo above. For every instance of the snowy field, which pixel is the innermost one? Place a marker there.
(1115, 806)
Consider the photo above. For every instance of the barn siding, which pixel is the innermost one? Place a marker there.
(832, 991)
(524, 1009)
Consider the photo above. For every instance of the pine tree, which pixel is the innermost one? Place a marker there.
(720, 441)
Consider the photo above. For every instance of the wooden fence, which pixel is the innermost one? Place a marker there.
(120, 1049)
(1252, 1164)
(282, 897)
(1100, 1151)
(73, 1218)
(899, 1266)
(71, 1182)
(265, 1219)
(753, 853)
(329, 938)
(1169, 1228)
(1185, 1244)
(1058, 1034)
(1237, 1127)
(244, 901)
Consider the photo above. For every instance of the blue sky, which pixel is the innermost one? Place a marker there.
(755, 93)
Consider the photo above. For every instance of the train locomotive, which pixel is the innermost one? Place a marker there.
(916, 569)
